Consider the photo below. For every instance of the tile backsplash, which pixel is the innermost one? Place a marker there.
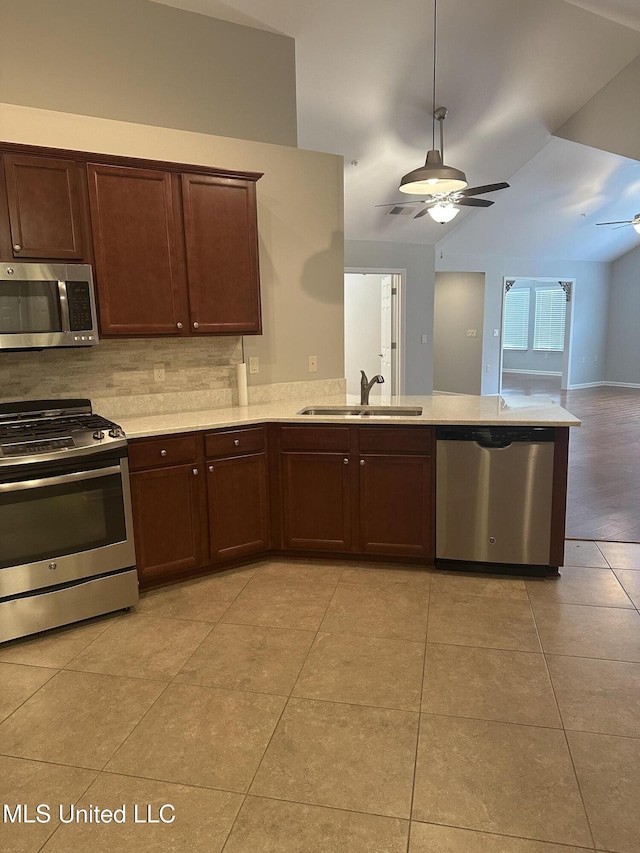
(118, 376)
(124, 369)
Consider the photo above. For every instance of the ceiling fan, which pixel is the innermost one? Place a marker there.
(621, 224)
(444, 186)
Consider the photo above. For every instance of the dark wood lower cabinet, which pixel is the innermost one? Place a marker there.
(166, 520)
(238, 501)
(316, 501)
(395, 505)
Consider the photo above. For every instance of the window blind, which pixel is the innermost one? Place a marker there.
(516, 319)
(550, 312)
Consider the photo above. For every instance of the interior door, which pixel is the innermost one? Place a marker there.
(385, 333)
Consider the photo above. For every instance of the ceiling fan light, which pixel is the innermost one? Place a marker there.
(636, 226)
(433, 177)
(443, 212)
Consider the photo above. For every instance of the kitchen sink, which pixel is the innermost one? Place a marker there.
(364, 411)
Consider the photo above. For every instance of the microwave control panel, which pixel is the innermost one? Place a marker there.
(79, 302)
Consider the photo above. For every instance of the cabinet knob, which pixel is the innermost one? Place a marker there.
(163, 453)
(195, 470)
(211, 468)
(236, 441)
(17, 247)
(345, 461)
(179, 326)
(196, 325)
(362, 461)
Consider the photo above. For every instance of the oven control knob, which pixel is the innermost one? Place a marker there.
(114, 432)
(98, 435)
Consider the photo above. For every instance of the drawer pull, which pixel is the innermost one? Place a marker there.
(17, 247)
(163, 453)
(195, 471)
(179, 325)
(211, 468)
(196, 325)
(345, 461)
(236, 441)
(362, 461)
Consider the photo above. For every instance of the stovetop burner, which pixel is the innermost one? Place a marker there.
(43, 427)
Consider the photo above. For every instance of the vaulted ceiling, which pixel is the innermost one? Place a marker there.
(511, 73)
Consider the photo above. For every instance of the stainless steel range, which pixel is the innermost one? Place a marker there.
(66, 531)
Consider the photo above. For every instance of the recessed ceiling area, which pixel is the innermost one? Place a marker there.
(510, 74)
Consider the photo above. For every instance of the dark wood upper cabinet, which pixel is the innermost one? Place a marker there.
(44, 208)
(221, 241)
(138, 272)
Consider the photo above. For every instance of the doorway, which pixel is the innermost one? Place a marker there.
(373, 330)
(535, 342)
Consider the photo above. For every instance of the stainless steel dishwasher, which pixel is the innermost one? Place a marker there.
(493, 498)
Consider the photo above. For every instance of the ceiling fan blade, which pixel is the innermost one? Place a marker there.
(400, 211)
(401, 203)
(620, 222)
(621, 226)
(488, 188)
(422, 213)
(474, 202)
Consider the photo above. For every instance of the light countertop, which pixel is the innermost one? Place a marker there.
(437, 410)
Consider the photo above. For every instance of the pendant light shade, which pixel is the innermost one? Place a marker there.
(434, 177)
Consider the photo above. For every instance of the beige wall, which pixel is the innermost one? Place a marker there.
(458, 308)
(300, 225)
(144, 62)
(611, 119)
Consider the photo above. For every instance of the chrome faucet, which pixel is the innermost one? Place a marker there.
(366, 385)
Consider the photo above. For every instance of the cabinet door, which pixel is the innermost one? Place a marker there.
(141, 287)
(238, 506)
(43, 200)
(396, 505)
(166, 514)
(222, 254)
(316, 501)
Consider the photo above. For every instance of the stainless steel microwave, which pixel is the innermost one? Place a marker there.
(47, 305)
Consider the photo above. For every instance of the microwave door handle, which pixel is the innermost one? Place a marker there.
(74, 477)
(64, 306)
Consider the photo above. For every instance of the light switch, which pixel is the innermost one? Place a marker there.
(472, 333)
(313, 364)
(254, 365)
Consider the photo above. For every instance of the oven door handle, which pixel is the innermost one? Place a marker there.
(74, 477)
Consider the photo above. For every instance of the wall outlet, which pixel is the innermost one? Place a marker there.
(496, 333)
(313, 364)
(158, 372)
(487, 368)
(423, 339)
(472, 333)
(254, 364)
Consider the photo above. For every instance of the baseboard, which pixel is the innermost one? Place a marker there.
(533, 372)
(579, 385)
(623, 384)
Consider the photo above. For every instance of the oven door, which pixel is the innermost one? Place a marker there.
(63, 522)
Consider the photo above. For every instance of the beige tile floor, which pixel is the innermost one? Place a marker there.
(321, 708)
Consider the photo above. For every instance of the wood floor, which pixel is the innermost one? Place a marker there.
(604, 456)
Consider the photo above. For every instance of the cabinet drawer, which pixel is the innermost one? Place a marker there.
(229, 442)
(172, 450)
(395, 439)
(314, 438)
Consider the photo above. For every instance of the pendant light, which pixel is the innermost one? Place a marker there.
(434, 177)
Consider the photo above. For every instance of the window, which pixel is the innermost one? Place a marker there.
(550, 311)
(516, 318)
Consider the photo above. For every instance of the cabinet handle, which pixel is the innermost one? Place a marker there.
(163, 453)
(196, 325)
(211, 468)
(236, 441)
(345, 461)
(17, 247)
(195, 470)
(362, 461)
(179, 326)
